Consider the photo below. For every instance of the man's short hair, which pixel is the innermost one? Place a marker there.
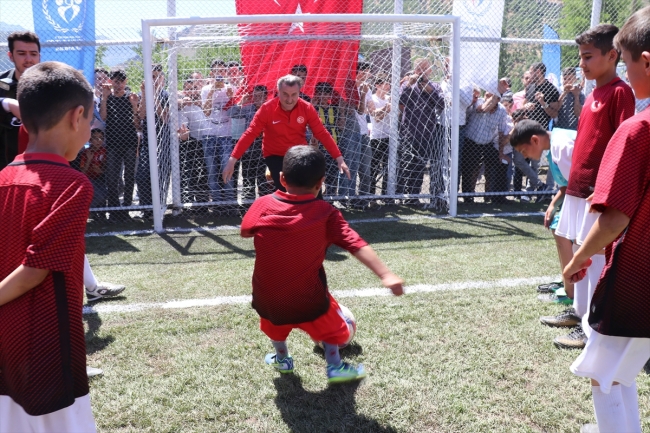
(601, 36)
(29, 37)
(363, 66)
(101, 70)
(156, 67)
(261, 88)
(323, 87)
(524, 131)
(234, 65)
(47, 91)
(290, 80)
(96, 130)
(538, 66)
(634, 36)
(118, 75)
(303, 166)
(507, 80)
(298, 68)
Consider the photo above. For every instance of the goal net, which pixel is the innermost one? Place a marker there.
(381, 86)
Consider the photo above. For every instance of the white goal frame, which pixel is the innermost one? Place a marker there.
(397, 36)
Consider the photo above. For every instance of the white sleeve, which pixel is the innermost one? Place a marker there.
(562, 141)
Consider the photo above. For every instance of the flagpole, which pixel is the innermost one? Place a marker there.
(396, 75)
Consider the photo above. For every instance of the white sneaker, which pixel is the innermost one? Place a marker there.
(104, 290)
(92, 371)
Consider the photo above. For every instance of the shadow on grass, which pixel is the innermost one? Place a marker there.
(94, 343)
(110, 244)
(184, 250)
(331, 410)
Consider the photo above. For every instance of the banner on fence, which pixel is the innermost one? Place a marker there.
(326, 60)
(67, 23)
(480, 31)
(551, 56)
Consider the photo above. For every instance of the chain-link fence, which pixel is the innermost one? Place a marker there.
(500, 39)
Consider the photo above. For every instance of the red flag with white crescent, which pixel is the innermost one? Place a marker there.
(330, 60)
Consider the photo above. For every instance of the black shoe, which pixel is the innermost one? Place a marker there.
(550, 287)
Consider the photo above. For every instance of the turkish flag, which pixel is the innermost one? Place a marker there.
(332, 61)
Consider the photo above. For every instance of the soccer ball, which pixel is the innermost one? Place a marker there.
(352, 325)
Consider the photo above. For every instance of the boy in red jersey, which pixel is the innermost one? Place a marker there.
(290, 289)
(619, 344)
(611, 102)
(44, 206)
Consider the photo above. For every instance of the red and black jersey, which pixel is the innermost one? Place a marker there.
(604, 110)
(621, 300)
(284, 129)
(43, 207)
(291, 235)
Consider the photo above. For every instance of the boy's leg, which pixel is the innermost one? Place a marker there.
(96, 290)
(631, 403)
(609, 409)
(280, 360)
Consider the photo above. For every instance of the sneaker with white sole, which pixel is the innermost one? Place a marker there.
(282, 365)
(576, 339)
(566, 319)
(104, 290)
(345, 373)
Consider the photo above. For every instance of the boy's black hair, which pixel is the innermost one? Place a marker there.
(157, 67)
(634, 36)
(118, 74)
(524, 131)
(363, 66)
(96, 130)
(298, 68)
(29, 37)
(218, 62)
(234, 64)
(569, 71)
(602, 36)
(323, 87)
(538, 66)
(102, 70)
(519, 115)
(303, 166)
(47, 91)
(261, 88)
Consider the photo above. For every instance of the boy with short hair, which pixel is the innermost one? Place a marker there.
(619, 344)
(611, 102)
(93, 163)
(44, 206)
(292, 232)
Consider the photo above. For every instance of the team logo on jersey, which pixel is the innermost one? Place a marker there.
(595, 106)
(300, 119)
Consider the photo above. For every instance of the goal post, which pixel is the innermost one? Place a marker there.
(166, 168)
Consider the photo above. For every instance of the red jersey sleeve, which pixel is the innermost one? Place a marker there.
(340, 233)
(320, 132)
(55, 240)
(623, 175)
(254, 130)
(624, 105)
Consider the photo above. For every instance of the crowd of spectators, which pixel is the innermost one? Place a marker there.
(215, 110)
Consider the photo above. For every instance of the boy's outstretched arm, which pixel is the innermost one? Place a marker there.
(368, 257)
(19, 282)
(608, 226)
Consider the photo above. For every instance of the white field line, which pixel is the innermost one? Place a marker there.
(353, 221)
(356, 293)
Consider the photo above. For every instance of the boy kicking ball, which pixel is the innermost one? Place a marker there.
(292, 232)
(619, 344)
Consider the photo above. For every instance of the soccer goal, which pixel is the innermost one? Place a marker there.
(384, 86)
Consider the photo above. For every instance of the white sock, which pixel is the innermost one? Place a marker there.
(610, 410)
(90, 282)
(631, 402)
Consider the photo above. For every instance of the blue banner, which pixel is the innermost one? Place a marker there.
(551, 55)
(67, 23)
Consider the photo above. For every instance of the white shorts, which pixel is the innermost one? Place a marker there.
(608, 359)
(77, 418)
(575, 219)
